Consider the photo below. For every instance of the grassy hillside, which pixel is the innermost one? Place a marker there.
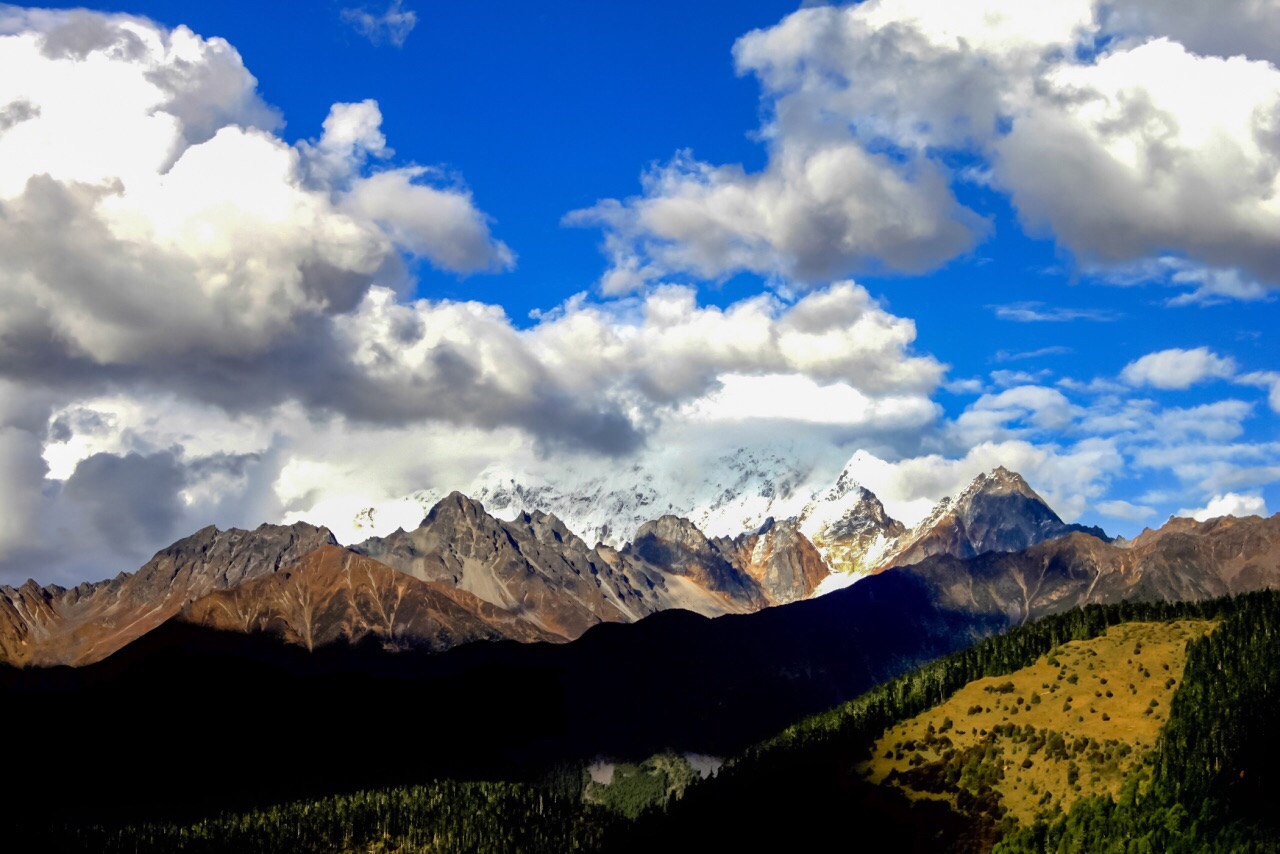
(1076, 723)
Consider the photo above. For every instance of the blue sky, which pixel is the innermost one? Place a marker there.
(1053, 258)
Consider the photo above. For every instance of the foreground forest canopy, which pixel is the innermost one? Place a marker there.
(1205, 785)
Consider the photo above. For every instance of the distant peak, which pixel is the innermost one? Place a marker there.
(1000, 480)
(1004, 475)
(671, 527)
(456, 502)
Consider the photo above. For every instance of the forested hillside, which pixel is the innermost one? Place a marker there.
(1206, 786)
(804, 784)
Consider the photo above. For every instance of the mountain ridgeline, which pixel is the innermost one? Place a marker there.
(528, 578)
(305, 645)
(476, 648)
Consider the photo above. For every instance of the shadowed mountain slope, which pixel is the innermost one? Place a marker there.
(672, 681)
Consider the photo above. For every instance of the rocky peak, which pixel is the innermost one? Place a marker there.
(997, 512)
(850, 527)
(456, 507)
(779, 558)
(997, 483)
(672, 531)
(93, 620)
(548, 529)
(533, 566)
(677, 546)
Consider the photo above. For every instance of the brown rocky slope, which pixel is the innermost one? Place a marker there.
(55, 625)
(334, 595)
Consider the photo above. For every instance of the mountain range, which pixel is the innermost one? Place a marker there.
(511, 645)
(465, 575)
(526, 578)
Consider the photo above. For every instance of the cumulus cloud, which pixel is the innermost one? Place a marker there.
(390, 25)
(1178, 369)
(1159, 122)
(819, 211)
(188, 231)
(190, 247)
(194, 303)
(1154, 147)
(1013, 412)
(1226, 28)
(1230, 504)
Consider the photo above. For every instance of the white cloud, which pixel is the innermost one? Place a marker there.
(658, 351)
(1213, 286)
(1264, 379)
(393, 24)
(1054, 350)
(1224, 28)
(970, 385)
(818, 211)
(1016, 411)
(793, 397)
(1178, 369)
(440, 223)
(1125, 510)
(1154, 147)
(1159, 146)
(1230, 504)
(187, 228)
(1209, 285)
(1038, 312)
(1006, 379)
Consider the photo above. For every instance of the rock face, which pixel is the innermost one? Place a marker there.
(54, 625)
(333, 595)
(1186, 560)
(997, 512)
(678, 547)
(537, 580)
(779, 558)
(850, 528)
(536, 568)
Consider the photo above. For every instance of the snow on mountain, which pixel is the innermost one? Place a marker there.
(723, 496)
(737, 492)
(850, 527)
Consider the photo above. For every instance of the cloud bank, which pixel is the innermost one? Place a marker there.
(195, 313)
(1160, 120)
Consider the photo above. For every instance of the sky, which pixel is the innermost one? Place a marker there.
(279, 261)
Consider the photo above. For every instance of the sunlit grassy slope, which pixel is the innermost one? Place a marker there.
(1073, 724)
